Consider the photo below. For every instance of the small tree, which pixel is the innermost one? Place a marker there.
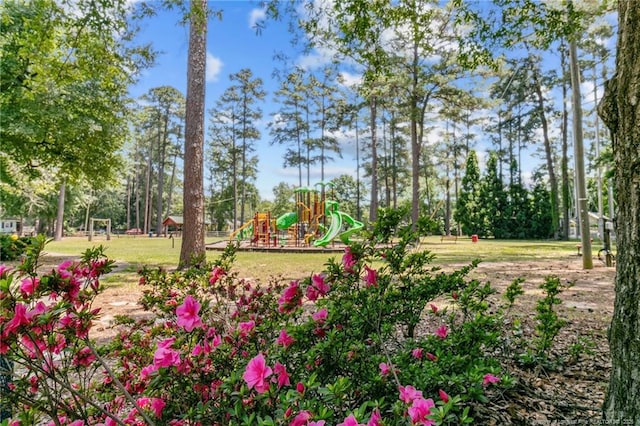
(468, 208)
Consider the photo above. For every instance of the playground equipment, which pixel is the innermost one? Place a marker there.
(316, 221)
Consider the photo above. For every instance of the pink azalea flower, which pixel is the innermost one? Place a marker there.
(317, 280)
(84, 357)
(188, 314)
(384, 368)
(376, 418)
(39, 309)
(256, 373)
(244, 328)
(434, 308)
(4, 269)
(77, 423)
(19, 318)
(300, 387)
(348, 260)
(301, 419)
(432, 357)
(419, 411)
(164, 355)
(283, 376)
(29, 285)
(489, 378)
(320, 316)
(154, 404)
(217, 341)
(442, 332)
(318, 423)
(443, 396)
(216, 274)
(417, 353)
(284, 339)
(350, 421)
(290, 299)
(408, 394)
(147, 371)
(371, 277)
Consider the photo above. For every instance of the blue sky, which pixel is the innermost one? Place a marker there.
(232, 44)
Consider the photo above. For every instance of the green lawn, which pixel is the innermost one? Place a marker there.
(141, 250)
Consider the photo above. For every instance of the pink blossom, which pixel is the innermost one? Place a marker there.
(432, 357)
(317, 287)
(29, 285)
(4, 270)
(442, 332)
(384, 368)
(376, 418)
(164, 355)
(284, 339)
(348, 260)
(317, 280)
(154, 404)
(256, 373)
(434, 308)
(147, 371)
(188, 314)
(350, 421)
(290, 299)
(39, 309)
(301, 419)
(216, 273)
(454, 295)
(417, 353)
(84, 357)
(408, 393)
(63, 269)
(77, 423)
(419, 411)
(300, 387)
(443, 396)
(318, 423)
(283, 376)
(320, 316)
(217, 341)
(489, 378)
(371, 278)
(244, 328)
(19, 318)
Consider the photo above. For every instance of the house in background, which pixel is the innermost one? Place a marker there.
(10, 226)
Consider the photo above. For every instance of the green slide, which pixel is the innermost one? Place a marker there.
(354, 226)
(334, 229)
(286, 220)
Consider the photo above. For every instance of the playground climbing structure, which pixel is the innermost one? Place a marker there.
(316, 222)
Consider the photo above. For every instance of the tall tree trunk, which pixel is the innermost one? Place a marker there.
(147, 195)
(373, 208)
(128, 214)
(60, 215)
(566, 194)
(170, 189)
(162, 148)
(620, 111)
(553, 182)
(193, 248)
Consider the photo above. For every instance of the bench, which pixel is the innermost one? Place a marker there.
(579, 247)
(453, 238)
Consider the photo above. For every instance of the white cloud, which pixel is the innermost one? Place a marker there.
(214, 67)
(256, 16)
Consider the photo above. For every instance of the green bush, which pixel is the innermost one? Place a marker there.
(12, 246)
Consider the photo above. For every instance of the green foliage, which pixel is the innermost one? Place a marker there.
(12, 246)
(548, 323)
(468, 206)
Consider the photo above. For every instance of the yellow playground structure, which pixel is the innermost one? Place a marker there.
(316, 221)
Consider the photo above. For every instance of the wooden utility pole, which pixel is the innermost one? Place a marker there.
(583, 208)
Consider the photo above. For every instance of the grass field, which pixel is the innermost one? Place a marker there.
(139, 250)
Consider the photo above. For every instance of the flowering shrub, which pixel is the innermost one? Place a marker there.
(378, 338)
(12, 246)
